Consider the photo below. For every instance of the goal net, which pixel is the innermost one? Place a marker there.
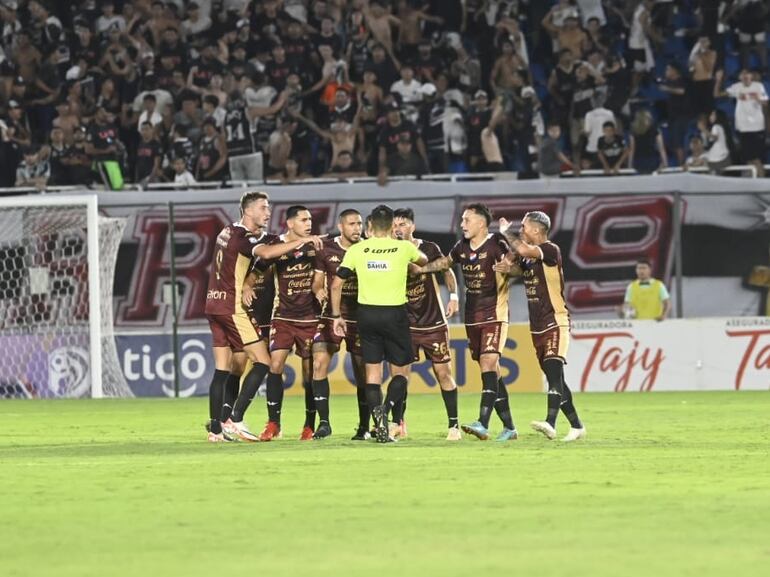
(57, 264)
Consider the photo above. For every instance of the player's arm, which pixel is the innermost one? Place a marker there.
(518, 246)
(451, 284)
(318, 286)
(273, 251)
(248, 288)
(440, 264)
(335, 299)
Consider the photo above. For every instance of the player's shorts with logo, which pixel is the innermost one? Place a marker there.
(287, 335)
(486, 338)
(551, 344)
(434, 343)
(233, 331)
(385, 334)
(325, 334)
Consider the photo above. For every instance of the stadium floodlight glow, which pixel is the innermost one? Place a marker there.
(57, 264)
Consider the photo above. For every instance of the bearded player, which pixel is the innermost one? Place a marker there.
(549, 322)
(428, 323)
(325, 342)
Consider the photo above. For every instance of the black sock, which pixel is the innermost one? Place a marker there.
(232, 386)
(251, 385)
(373, 396)
(502, 405)
(399, 409)
(568, 408)
(274, 397)
(363, 408)
(321, 398)
(396, 391)
(216, 399)
(309, 406)
(554, 373)
(450, 403)
(488, 396)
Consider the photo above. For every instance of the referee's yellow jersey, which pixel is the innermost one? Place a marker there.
(381, 266)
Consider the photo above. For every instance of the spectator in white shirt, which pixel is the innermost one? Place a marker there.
(181, 174)
(109, 19)
(593, 127)
(698, 157)
(149, 112)
(715, 130)
(750, 122)
(410, 91)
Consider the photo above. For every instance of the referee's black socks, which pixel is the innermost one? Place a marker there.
(488, 396)
(274, 397)
(503, 406)
(363, 408)
(396, 392)
(554, 373)
(216, 399)
(373, 395)
(251, 385)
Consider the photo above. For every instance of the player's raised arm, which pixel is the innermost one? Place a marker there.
(273, 251)
(519, 247)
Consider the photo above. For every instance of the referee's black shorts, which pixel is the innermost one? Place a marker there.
(385, 335)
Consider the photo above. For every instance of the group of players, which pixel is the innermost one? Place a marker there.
(269, 294)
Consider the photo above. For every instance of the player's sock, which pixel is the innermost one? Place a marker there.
(502, 405)
(373, 396)
(450, 403)
(397, 412)
(568, 408)
(309, 406)
(321, 398)
(216, 399)
(554, 373)
(488, 396)
(403, 404)
(396, 392)
(232, 387)
(274, 397)
(251, 385)
(363, 408)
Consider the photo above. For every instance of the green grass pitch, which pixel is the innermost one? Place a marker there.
(666, 484)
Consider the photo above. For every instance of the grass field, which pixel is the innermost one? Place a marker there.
(666, 484)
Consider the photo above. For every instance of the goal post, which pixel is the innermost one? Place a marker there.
(57, 265)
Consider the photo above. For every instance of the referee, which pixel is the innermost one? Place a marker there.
(381, 264)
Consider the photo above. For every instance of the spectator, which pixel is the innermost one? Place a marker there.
(213, 110)
(212, 154)
(551, 159)
(405, 161)
(66, 120)
(506, 65)
(648, 152)
(702, 68)
(148, 156)
(33, 170)
(646, 298)
(477, 118)
(55, 153)
(77, 160)
(593, 127)
(640, 40)
(150, 112)
(677, 109)
(613, 151)
(490, 145)
(345, 166)
(410, 91)
(698, 157)
(751, 18)
(750, 124)
(715, 130)
(394, 130)
(182, 176)
(181, 147)
(105, 149)
(561, 87)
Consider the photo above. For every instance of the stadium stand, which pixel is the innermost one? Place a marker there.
(121, 93)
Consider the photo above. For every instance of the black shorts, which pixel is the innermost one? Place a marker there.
(752, 145)
(385, 335)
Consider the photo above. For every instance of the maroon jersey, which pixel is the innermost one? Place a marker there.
(293, 274)
(486, 291)
(423, 304)
(264, 293)
(232, 262)
(544, 287)
(327, 261)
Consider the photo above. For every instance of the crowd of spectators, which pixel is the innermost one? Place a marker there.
(107, 91)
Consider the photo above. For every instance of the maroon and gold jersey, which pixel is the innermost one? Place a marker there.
(486, 291)
(327, 261)
(264, 296)
(232, 262)
(423, 304)
(293, 275)
(544, 287)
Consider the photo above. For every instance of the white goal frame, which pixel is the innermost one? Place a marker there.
(91, 205)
